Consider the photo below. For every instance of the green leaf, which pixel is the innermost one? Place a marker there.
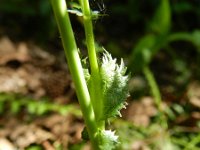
(15, 106)
(76, 9)
(32, 107)
(113, 89)
(107, 139)
(114, 84)
(76, 12)
(150, 44)
(142, 53)
(42, 108)
(2, 106)
(161, 21)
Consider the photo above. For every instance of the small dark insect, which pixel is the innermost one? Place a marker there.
(98, 5)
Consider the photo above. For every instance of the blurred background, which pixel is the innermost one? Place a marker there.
(159, 41)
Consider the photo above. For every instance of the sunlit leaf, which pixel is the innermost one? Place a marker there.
(114, 82)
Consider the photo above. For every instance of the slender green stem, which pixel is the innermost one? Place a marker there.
(71, 52)
(95, 90)
(152, 83)
(156, 93)
(90, 36)
(180, 36)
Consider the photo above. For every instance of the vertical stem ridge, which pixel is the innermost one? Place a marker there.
(89, 36)
(96, 96)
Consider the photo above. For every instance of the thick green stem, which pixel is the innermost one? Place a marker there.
(156, 93)
(71, 52)
(95, 91)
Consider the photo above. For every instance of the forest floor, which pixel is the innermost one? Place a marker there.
(38, 104)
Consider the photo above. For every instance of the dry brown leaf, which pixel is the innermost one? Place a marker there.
(6, 145)
(10, 52)
(11, 81)
(139, 112)
(27, 69)
(139, 145)
(26, 135)
(47, 145)
(57, 128)
(194, 94)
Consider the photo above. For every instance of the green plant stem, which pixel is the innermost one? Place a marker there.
(71, 52)
(95, 90)
(90, 36)
(156, 93)
(180, 36)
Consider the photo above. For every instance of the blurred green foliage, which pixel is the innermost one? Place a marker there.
(155, 137)
(34, 147)
(158, 37)
(16, 103)
(150, 44)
